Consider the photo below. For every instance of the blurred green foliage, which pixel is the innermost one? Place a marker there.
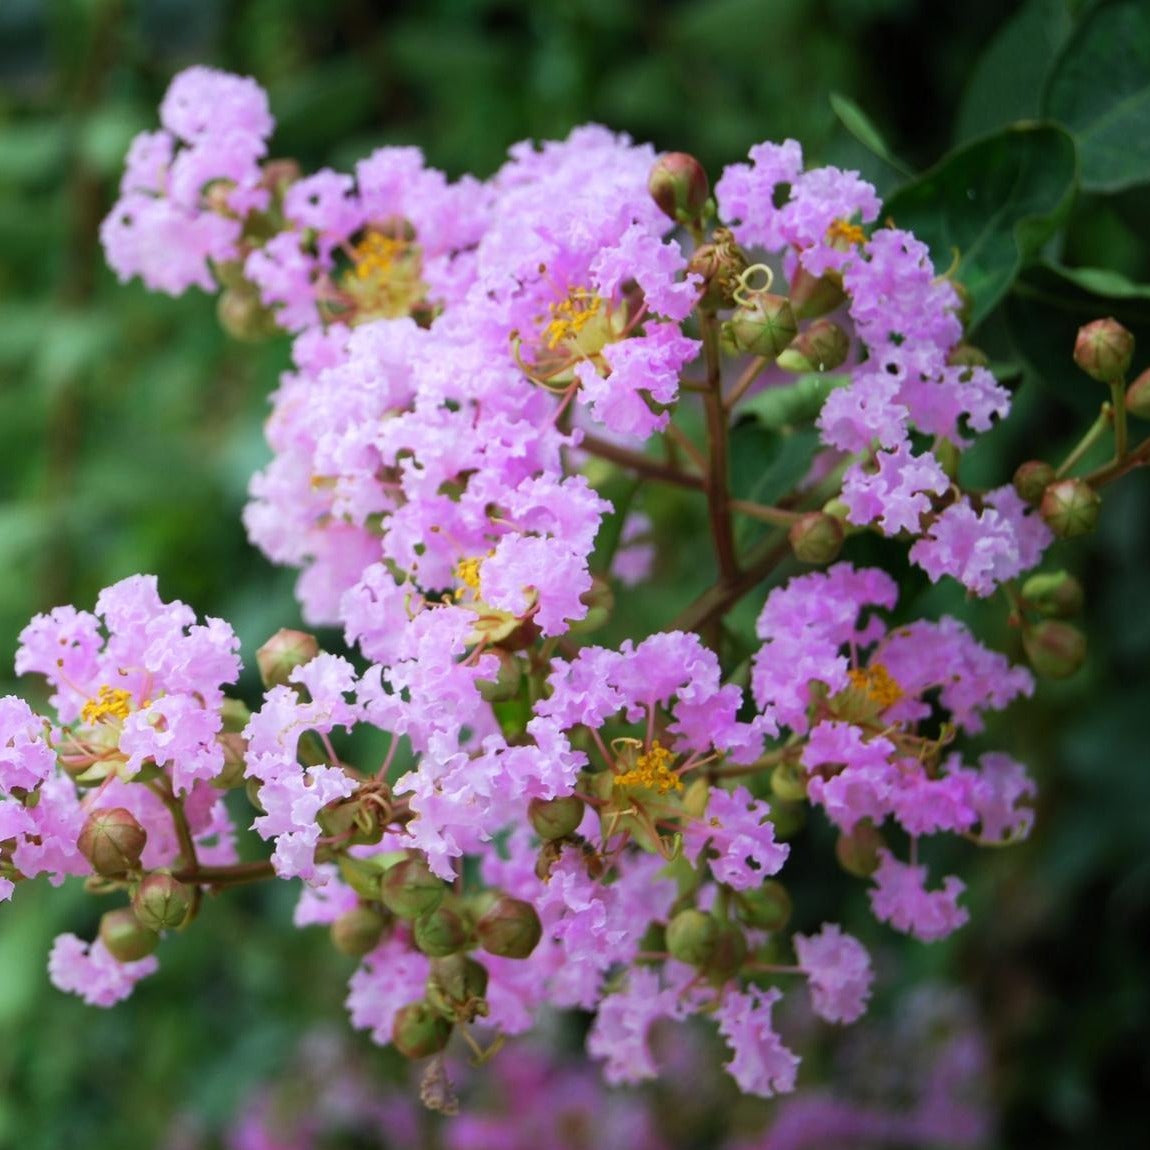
(129, 427)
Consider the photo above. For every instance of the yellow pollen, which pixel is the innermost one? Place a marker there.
(110, 703)
(877, 683)
(570, 316)
(842, 230)
(652, 769)
(375, 254)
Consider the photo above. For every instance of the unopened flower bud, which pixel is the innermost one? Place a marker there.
(814, 296)
(419, 1030)
(1055, 649)
(719, 264)
(1031, 480)
(821, 347)
(112, 841)
(816, 538)
(510, 929)
(678, 184)
(1054, 593)
(729, 954)
(357, 931)
(789, 781)
(282, 653)
(1104, 350)
(439, 932)
(409, 889)
(857, 851)
(125, 938)
(232, 773)
(1138, 396)
(279, 175)
(692, 937)
(766, 328)
(161, 902)
(967, 355)
(243, 315)
(456, 987)
(765, 907)
(556, 818)
(1070, 508)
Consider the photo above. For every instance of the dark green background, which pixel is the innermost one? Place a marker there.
(129, 426)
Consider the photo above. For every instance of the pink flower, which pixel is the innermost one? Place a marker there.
(900, 897)
(761, 1064)
(838, 969)
(88, 970)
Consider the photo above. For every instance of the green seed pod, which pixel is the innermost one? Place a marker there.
(813, 296)
(1055, 649)
(556, 818)
(357, 932)
(456, 987)
(161, 902)
(112, 841)
(693, 937)
(125, 938)
(409, 889)
(440, 932)
(729, 954)
(419, 1030)
(510, 929)
(765, 328)
(821, 347)
(1031, 480)
(816, 538)
(765, 907)
(1070, 508)
(1055, 593)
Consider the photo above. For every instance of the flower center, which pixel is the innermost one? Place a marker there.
(110, 703)
(877, 683)
(385, 279)
(844, 232)
(652, 769)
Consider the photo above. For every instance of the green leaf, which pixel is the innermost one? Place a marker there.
(992, 204)
(780, 408)
(1100, 89)
(1100, 282)
(856, 121)
(1006, 84)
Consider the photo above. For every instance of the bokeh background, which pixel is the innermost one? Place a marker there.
(129, 425)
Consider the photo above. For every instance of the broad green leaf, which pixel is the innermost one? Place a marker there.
(991, 206)
(1101, 282)
(1006, 83)
(1100, 89)
(778, 408)
(856, 121)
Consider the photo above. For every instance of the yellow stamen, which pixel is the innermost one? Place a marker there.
(375, 254)
(467, 572)
(652, 769)
(846, 231)
(110, 703)
(877, 683)
(570, 316)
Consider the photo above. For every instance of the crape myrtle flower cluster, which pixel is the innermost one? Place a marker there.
(556, 823)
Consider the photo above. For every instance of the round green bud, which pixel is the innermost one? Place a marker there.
(419, 1030)
(766, 328)
(409, 889)
(1031, 480)
(1104, 349)
(678, 184)
(814, 296)
(1054, 593)
(822, 347)
(125, 938)
(235, 714)
(456, 986)
(765, 907)
(1138, 396)
(556, 818)
(112, 841)
(857, 852)
(161, 902)
(729, 954)
(440, 932)
(282, 653)
(1070, 508)
(510, 929)
(357, 932)
(816, 538)
(789, 781)
(967, 355)
(692, 937)
(1055, 649)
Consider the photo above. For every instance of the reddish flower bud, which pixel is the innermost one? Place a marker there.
(419, 1031)
(1055, 649)
(857, 852)
(357, 932)
(678, 184)
(282, 653)
(821, 347)
(1032, 479)
(409, 889)
(161, 902)
(510, 929)
(693, 937)
(1070, 508)
(555, 818)
(816, 538)
(112, 841)
(440, 932)
(125, 938)
(1054, 593)
(1138, 396)
(1104, 350)
(456, 987)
